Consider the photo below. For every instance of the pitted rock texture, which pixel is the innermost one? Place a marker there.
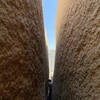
(77, 70)
(23, 51)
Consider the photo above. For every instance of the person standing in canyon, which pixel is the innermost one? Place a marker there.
(50, 85)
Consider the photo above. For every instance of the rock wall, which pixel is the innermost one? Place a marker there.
(77, 69)
(23, 51)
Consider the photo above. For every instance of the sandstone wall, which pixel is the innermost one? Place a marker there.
(77, 70)
(23, 51)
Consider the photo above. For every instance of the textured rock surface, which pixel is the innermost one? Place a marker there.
(23, 52)
(77, 72)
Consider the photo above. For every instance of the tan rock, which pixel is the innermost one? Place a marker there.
(23, 51)
(77, 71)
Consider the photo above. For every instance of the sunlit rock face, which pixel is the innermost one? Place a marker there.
(77, 71)
(23, 51)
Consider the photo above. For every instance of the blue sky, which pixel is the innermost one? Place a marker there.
(50, 10)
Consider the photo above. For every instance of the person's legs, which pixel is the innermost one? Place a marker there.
(50, 95)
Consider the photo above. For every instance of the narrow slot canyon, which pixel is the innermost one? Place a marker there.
(50, 40)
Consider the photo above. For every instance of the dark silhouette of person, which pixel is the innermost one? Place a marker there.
(50, 90)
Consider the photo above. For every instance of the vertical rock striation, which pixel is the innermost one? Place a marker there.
(23, 51)
(77, 71)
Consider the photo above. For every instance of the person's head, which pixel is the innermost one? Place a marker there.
(49, 80)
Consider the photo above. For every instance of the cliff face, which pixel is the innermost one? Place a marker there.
(77, 70)
(23, 52)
